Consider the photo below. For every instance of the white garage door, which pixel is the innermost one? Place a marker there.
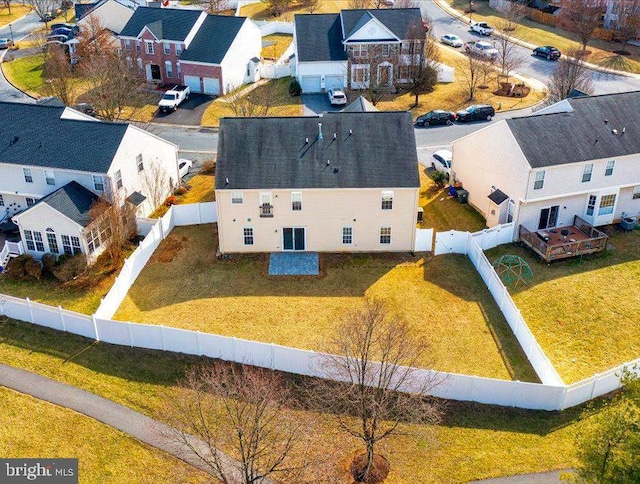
(211, 85)
(193, 82)
(310, 83)
(333, 82)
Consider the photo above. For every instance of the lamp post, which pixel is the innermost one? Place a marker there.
(11, 32)
(470, 10)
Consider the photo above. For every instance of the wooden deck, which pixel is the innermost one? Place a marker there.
(562, 242)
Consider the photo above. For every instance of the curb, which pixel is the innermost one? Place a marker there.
(594, 67)
(7, 79)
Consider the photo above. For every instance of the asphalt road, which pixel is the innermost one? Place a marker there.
(20, 28)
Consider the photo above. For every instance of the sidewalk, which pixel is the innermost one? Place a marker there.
(129, 421)
(445, 7)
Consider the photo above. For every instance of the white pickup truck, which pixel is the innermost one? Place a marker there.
(482, 28)
(173, 98)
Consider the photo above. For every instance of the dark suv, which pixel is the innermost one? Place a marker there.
(435, 117)
(477, 112)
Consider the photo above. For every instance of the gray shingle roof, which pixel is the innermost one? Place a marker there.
(498, 196)
(36, 136)
(72, 200)
(581, 135)
(397, 20)
(360, 105)
(165, 23)
(319, 38)
(269, 153)
(213, 39)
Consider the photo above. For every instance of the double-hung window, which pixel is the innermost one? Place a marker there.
(587, 172)
(610, 166)
(27, 175)
(52, 241)
(539, 181)
(247, 233)
(266, 208)
(387, 201)
(296, 201)
(50, 177)
(237, 198)
(385, 235)
(30, 201)
(167, 48)
(347, 235)
(118, 179)
(139, 162)
(98, 183)
(34, 240)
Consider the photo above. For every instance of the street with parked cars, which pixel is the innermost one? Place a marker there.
(551, 53)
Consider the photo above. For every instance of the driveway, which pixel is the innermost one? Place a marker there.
(313, 104)
(189, 113)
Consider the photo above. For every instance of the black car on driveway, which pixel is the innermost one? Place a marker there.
(551, 53)
(436, 117)
(477, 112)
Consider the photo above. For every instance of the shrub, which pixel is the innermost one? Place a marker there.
(440, 178)
(295, 89)
(171, 200)
(70, 267)
(33, 268)
(49, 262)
(15, 267)
(208, 167)
(179, 191)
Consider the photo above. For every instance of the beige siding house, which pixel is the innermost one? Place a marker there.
(340, 182)
(580, 157)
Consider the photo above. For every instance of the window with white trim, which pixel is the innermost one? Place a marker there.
(347, 235)
(386, 50)
(296, 201)
(385, 235)
(266, 208)
(168, 67)
(610, 166)
(167, 48)
(587, 172)
(118, 179)
(360, 74)
(127, 44)
(148, 45)
(636, 192)
(591, 205)
(237, 198)
(360, 50)
(34, 240)
(607, 202)
(137, 46)
(387, 201)
(30, 201)
(178, 49)
(50, 177)
(539, 181)
(66, 244)
(52, 241)
(247, 234)
(27, 175)
(98, 183)
(139, 162)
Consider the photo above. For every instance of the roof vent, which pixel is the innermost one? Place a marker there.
(328, 163)
(319, 130)
(335, 135)
(226, 181)
(306, 141)
(606, 121)
(14, 140)
(624, 130)
(336, 170)
(614, 131)
(350, 132)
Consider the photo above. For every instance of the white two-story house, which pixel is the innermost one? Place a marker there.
(56, 149)
(579, 157)
(340, 182)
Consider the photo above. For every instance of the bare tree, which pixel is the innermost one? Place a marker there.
(241, 410)
(515, 12)
(627, 23)
(360, 4)
(43, 7)
(155, 181)
(509, 57)
(7, 5)
(423, 68)
(406, 4)
(570, 74)
(215, 6)
(470, 72)
(278, 7)
(582, 17)
(312, 5)
(59, 74)
(378, 355)
(115, 221)
(256, 103)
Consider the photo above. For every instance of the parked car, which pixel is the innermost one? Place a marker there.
(6, 43)
(47, 16)
(482, 28)
(173, 98)
(64, 25)
(184, 167)
(337, 97)
(452, 40)
(477, 112)
(441, 161)
(436, 117)
(62, 31)
(56, 39)
(547, 51)
(481, 49)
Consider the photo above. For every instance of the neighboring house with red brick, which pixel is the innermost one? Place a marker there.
(356, 47)
(208, 53)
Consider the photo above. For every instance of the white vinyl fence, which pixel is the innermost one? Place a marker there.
(424, 240)
(268, 28)
(188, 214)
(274, 71)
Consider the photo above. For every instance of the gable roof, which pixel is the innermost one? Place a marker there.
(498, 196)
(360, 105)
(319, 37)
(37, 136)
(213, 39)
(583, 134)
(72, 200)
(164, 23)
(370, 150)
(83, 9)
(397, 20)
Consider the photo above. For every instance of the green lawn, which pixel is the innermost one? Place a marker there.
(26, 73)
(473, 441)
(583, 311)
(33, 428)
(540, 34)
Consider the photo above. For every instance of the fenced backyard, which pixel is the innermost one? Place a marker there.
(552, 394)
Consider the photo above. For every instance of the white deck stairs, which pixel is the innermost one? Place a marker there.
(10, 249)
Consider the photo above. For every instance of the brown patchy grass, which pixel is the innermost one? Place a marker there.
(169, 250)
(200, 189)
(582, 310)
(17, 11)
(274, 92)
(601, 52)
(275, 51)
(31, 427)
(442, 297)
(261, 11)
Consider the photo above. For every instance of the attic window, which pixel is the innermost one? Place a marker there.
(149, 47)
